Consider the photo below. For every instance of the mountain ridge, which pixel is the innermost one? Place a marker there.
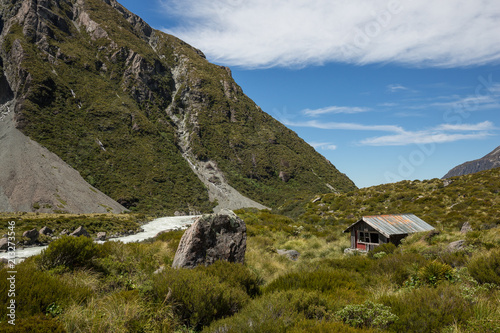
(135, 111)
(489, 161)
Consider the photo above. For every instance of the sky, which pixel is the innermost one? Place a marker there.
(386, 90)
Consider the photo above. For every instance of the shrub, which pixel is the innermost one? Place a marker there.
(197, 297)
(324, 280)
(388, 248)
(236, 275)
(426, 309)
(434, 272)
(38, 323)
(314, 326)
(70, 252)
(276, 312)
(399, 266)
(37, 292)
(486, 268)
(368, 314)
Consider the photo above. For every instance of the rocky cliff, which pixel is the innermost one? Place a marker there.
(489, 161)
(144, 117)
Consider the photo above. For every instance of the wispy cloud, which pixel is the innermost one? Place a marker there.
(335, 109)
(344, 126)
(260, 33)
(395, 88)
(440, 134)
(323, 145)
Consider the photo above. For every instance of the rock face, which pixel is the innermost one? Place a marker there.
(212, 237)
(46, 231)
(490, 161)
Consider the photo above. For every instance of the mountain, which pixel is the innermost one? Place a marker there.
(490, 161)
(141, 115)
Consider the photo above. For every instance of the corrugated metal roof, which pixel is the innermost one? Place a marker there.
(395, 224)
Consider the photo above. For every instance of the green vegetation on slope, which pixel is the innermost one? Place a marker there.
(419, 286)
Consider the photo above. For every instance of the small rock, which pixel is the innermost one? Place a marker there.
(291, 254)
(316, 199)
(31, 234)
(64, 232)
(101, 236)
(466, 228)
(4, 243)
(46, 231)
(456, 246)
(80, 231)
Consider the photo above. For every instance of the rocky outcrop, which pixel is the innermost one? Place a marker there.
(101, 236)
(80, 231)
(490, 161)
(211, 238)
(4, 242)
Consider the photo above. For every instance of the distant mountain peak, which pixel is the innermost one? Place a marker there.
(489, 161)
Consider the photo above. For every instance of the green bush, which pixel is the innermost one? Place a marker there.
(399, 267)
(38, 291)
(324, 280)
(236, 275)
(427, 309)
(276, 312)
(197, 297)
(69, 252)
(368, 314)
(387, 248)
(486, 268)
(38, 324)
(434, 272)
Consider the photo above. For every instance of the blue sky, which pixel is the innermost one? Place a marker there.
(386, 90)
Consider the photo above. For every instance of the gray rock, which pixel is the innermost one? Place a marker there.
(64, 232)
(212, 237)
(456, 246)
(80, 231)
(466, 228)
(291, 254)
(101, 236)
(31, 234)
(46, 231)
(4, 243)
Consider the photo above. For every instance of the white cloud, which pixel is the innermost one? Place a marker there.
(484, 126)
(395, 88)
(440, 134)
(323, 145)
(344, 126)
(335, 109)
(261, 33)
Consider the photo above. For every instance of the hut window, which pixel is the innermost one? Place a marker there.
(374, 238)
(368, 237)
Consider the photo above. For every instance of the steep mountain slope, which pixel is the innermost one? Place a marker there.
(490, 161)
(136, 111)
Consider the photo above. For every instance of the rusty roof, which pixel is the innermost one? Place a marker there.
(395, 224)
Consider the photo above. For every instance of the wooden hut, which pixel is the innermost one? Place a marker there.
(371, 231)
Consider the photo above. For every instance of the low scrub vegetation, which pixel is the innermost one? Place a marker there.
(422, 285)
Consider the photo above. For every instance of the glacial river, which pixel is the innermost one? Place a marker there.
(150, 230)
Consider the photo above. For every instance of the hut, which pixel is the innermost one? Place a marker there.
(372, 231)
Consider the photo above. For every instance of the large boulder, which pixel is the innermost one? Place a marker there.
(221, 236)
(31, 234)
